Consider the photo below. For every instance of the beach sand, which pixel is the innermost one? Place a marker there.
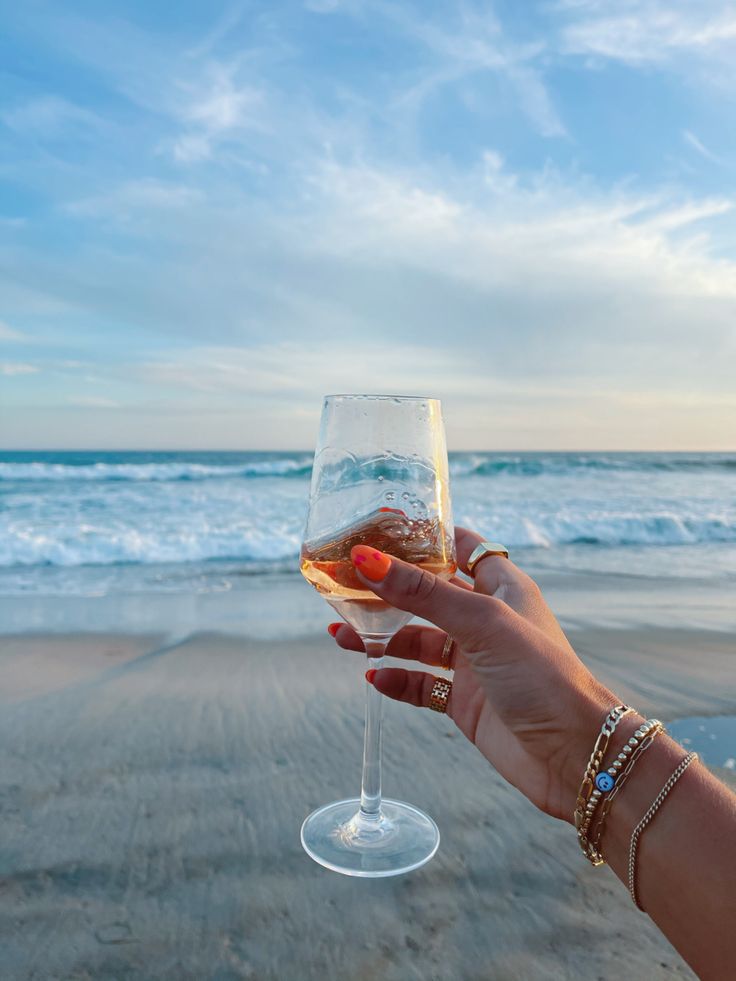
(152, 792)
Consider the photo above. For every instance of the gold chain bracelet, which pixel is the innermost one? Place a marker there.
(588, 786)
(637, 745)
(610, 780)
(588, 794)
(654, 807)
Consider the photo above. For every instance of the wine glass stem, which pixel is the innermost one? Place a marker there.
(370, 790)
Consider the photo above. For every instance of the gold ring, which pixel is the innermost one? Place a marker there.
(446, 656)
(440, 693)
(484, 549)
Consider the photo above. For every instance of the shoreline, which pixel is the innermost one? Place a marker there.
(283, 606)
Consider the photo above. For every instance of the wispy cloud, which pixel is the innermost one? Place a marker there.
(133, 199)
(231, 17)
(92, 402)
(324, 6)
(700, 147)
(216, 110)
(440, 193)
(49, 116)
(268, 369)
(17, 368)
(640, 31)
(7, 333)
(467, 43)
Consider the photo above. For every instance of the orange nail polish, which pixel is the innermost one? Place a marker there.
(372, 564)
(333, 628)
(369, 675)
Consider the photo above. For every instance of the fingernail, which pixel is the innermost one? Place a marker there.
(369, 675)
(373, 564)
(394, 511)
(333, 628)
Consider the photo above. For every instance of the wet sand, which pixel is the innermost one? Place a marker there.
(152, 793)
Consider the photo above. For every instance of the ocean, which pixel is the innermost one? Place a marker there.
(94, 523)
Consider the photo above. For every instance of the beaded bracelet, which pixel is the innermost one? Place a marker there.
(610, 781)
(638, 830)
(636, 746)
(588, 790)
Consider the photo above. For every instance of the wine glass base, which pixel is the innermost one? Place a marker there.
(397, 840)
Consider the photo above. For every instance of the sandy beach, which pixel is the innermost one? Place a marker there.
(153, 787)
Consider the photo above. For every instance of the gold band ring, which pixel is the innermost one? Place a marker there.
(440, 693)
(446, 656)
(482, 550)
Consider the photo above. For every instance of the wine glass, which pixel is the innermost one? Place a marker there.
(380, 478)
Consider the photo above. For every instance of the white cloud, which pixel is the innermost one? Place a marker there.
(7, 333)
(17, 368)
(545, 233)
(495, 175)
(641, 31)
(192, 148)
(340, 206)
(541, 275)
(215, 110)
(679, 216)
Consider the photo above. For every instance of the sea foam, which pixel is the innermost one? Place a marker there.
(112, 509)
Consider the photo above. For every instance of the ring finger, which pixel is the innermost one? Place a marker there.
(413, 687)
(412, 643)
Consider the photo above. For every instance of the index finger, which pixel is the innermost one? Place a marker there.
(467, 616)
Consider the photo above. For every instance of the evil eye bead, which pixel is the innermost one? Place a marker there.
(604, 782)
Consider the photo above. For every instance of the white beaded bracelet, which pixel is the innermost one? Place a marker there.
(656, 804)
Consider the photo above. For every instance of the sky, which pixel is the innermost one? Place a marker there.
(212, 214)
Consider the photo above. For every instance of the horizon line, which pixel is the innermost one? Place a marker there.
(190, 449)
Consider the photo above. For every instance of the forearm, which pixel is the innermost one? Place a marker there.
(686, 858)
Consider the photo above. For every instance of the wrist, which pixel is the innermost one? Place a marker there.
(645, 782)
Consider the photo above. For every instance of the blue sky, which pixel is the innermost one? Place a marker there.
(213, 214)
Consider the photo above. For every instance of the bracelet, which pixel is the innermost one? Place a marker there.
(587, 786)
(611, 780)
(637, 746)
(589, 794)
(639, 829)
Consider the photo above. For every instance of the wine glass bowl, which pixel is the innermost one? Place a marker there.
(380, 478)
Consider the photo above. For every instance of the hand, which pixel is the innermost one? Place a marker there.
(519, 692)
